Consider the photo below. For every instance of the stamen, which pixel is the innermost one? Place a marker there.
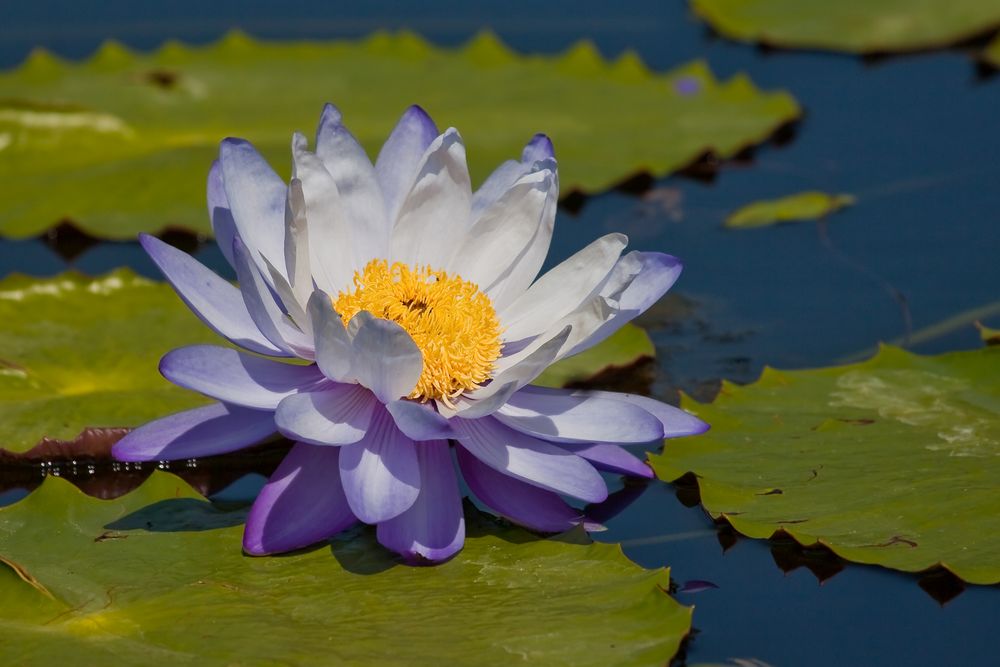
(451, 321)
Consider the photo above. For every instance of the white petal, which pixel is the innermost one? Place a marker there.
(385, 359)
(435, 214)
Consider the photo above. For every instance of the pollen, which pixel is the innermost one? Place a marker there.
(451, 321)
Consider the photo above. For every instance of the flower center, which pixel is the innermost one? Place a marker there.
(450, 320)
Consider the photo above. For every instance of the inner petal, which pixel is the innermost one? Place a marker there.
(454, 324)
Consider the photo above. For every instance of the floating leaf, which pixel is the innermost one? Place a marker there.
(79, 352)
(894, 461)
(809, 205)
(855, 26)
(989, 336)
(121, 143)
(625, 349)
(157, 576)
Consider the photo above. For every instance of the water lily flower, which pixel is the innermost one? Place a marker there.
(409, 312)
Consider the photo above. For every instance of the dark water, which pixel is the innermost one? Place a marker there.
(914, 138)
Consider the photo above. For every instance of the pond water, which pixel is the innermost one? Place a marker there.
(915, 138)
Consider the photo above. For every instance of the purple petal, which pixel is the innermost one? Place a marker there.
(530, 460)
(397, 163)
(696, 586)
(333, 344)
(337, 414)
(386, 360)
(419, 421)
(354, 175)
(380, 474)
(262, 306)
(522, 503)
(612, 458)
(433, 528)
(563, 416)
(538, 149)
(216, 302)
(236, 377)
(256, 196)
(213, 429)
(223, 225)
(638, 281)
(303, 503)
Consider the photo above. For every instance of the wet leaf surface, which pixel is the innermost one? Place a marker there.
(893, 462)
(854, 26)
(116, 143)
(792, 208)
(157, 575)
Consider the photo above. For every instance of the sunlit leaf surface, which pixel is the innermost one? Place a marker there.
(810, 205)
(157, 577)
(894, 461)
(78, 352)
(122, 142)
(856, 26)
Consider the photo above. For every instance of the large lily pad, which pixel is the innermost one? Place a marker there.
(79, 352)
(121, 143)
(157, 576)
(855, 26)
(810, 205)
(894, 461)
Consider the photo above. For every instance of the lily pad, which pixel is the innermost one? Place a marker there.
(626, 348)
(991, 54)
(157, 576)
(121, 143)
(989, 335)
(809, 205)
(79, 352)
(854, 26)
(894, 461)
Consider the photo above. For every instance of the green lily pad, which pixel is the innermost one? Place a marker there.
(79, 352)
(990, 336)
(122, 143)
(854, 26)
(157, 577)
(626, 348)
(809, 205)
(894, 461)
(991, 54)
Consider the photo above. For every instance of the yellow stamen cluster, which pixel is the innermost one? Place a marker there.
(450, 320)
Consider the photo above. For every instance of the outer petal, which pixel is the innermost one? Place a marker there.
(578, 417)
(216, 302)
(235, 377)
(380, 474)
(419, 421)
(521, 503)
(213, 429)
(561, 290)
(337, 414)
(386, 360)
(530, 460)
(500, 236)
(360, 195)
(400, 157)
(435, 213)
(612, 458)
(256, 196)
(638, 281)
(223, 225)
(433, 527)
(301, 504)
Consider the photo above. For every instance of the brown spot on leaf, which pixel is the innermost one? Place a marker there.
(162, 78)
(772, 492)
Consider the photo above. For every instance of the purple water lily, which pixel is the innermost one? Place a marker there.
(414, 300)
